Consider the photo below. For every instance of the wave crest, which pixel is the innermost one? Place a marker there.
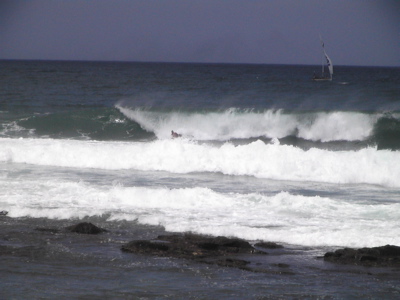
(244, 124)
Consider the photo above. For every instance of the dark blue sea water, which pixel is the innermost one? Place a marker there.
(265, 154)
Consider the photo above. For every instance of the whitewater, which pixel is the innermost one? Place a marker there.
(282, 216)
(258, 159)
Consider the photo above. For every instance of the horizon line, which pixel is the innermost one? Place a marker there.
(184, 62)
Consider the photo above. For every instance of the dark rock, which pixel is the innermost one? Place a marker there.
(367, 258)
(205, 249)
(232, 263)
(86, 228)
(193, 243)
(209, 246)
(5, 250)
(389, 250)
(268, 245)
(282, 265)
(385, 256)
(143, 246)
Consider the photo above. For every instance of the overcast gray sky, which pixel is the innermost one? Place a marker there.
(355, 32)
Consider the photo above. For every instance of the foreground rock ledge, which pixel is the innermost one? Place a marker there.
(86, 228)
(212, 250)
(385, 256)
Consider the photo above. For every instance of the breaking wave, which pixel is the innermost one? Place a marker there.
(127, 124)
(258, 159)
(379, 129)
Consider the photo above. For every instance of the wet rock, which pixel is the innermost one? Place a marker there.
(385, 256)
(86, 228)
(145, 247)
(5, 250)
(268, 245)
(282, 265)
(232, 263)
(211, 250)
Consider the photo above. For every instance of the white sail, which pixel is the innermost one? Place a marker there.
(329, 63)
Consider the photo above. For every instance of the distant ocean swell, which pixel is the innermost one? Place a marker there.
(97, 124)
(258, 159)
(121, 123)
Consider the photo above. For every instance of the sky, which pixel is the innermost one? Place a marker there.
(355, 32)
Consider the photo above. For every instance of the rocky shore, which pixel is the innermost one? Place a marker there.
(221, 251)
(385, 256)
(227, 252)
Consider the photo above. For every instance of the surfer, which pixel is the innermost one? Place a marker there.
(175, 134)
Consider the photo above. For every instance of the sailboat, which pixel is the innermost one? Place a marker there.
(329, 64)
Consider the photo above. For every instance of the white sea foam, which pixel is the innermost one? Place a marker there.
(272, 161)
(232, 123)
(283, 217)
(12, 128)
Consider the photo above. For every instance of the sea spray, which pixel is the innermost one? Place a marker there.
(240, 124)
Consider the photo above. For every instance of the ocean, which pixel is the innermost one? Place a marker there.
(264, 154)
